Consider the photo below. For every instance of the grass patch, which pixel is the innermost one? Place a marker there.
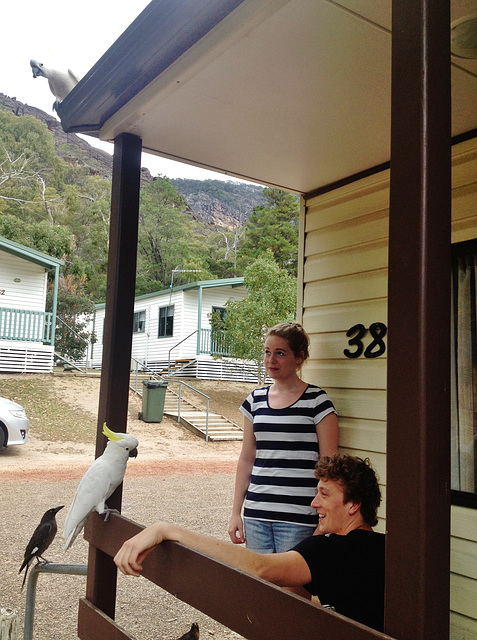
(51, 418)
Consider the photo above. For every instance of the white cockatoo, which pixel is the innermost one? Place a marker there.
(99, 482)
(60, 82)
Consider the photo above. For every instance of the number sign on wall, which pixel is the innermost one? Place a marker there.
(376, 346)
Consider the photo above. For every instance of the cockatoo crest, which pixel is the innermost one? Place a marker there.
(110, 435)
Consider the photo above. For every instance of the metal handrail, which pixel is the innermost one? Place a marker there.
(176, 345)
(158, 376)
(145, 369)
(202, 394)
(87, 343)
(58, 356)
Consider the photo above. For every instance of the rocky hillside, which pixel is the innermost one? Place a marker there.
(215, 202)
(224, 204)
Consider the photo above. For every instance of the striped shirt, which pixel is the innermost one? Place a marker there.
(283, 482)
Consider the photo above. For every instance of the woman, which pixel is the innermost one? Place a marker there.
(287, 426)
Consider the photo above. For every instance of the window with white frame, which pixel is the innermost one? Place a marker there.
(139, 323)
(464, 374)
(166, 321)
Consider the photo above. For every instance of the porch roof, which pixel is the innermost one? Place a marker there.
(288, 93)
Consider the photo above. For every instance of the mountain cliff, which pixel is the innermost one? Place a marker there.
(218, 202)
(215, 202)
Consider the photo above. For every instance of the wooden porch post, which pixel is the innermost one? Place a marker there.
(418, 436)
(118, 329)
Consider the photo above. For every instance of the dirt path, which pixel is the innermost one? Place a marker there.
(164, 447)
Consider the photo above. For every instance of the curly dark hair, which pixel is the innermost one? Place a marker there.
(295, 335)
(359, 481)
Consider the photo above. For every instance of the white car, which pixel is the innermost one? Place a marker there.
(14, 424)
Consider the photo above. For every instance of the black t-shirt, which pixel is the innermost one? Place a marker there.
(347, 573)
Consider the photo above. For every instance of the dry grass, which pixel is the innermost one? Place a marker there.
(50, 412)
(50, 415)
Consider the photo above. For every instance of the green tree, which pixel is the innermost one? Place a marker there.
(273, 227)
(75, 309)
(169, 239)
(86, 216)
(271, 299)
(53, 199)
(31, 174)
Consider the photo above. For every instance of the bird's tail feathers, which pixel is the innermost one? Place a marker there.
(27, 564)
(71, 537)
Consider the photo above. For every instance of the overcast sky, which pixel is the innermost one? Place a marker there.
(65, 34)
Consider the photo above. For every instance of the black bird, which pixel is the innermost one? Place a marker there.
(41, 539)
(192, 634)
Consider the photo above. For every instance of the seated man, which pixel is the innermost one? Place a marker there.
(343, 567)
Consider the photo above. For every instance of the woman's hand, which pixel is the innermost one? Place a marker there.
(236, 530)
(132, 554)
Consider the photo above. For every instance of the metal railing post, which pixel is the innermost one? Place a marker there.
(44, 567)
(157, 376)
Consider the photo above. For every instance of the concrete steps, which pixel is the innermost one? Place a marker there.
(195, 420)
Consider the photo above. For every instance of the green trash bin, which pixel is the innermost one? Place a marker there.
(153, 397)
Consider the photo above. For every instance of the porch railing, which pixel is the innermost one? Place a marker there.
(28, 326)
(214, 342)
(231, 596)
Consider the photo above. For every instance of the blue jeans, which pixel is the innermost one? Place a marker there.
(265, 536)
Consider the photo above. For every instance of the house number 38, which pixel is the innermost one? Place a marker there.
(374, 349)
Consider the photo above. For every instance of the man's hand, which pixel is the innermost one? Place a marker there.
(134, 551)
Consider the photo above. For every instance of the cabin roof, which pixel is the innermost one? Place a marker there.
(32, 255)
(201, 284)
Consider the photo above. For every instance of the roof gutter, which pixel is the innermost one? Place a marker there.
(161, 34)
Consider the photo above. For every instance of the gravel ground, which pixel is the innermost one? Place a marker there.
(199, 501)
(182, 479)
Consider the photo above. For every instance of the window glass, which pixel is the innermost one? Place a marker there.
(222, 311)
(139, 325)
(166, 321)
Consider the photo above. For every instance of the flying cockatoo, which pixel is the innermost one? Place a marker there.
(60, 82)
(99, 482)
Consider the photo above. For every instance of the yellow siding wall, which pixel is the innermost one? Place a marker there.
(343, 281)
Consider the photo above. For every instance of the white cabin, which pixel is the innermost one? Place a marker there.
(27, 330)
(172, 332)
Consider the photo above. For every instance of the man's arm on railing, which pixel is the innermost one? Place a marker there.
(283, 569)
(250, 606)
